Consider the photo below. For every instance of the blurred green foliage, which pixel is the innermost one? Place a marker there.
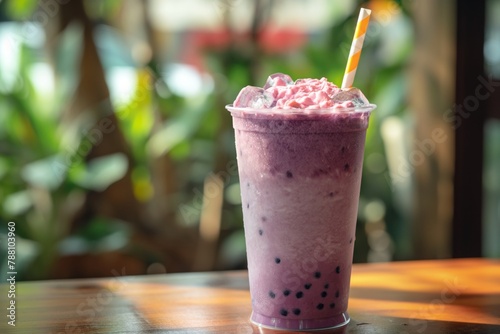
(43, 176)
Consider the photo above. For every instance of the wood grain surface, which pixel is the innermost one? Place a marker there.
(445, 296)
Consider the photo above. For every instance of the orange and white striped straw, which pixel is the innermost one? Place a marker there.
(356, 46)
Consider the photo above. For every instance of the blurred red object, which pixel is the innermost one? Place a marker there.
(271, 40)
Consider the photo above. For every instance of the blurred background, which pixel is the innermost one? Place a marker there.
(116, 152)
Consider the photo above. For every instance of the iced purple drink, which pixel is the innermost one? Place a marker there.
(300, 165)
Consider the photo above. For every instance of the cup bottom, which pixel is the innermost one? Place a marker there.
(300, 324)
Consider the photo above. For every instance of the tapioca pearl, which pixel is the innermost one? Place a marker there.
(286, 292)
(283, 312)
(346, 167)
(320, 306)
(332, 305)
(317, 274)
(264, 219)
(289, 174)
(307, 286)
(327, 285)
(299, 294)
(248, 205)
(261, 231)
(324, 294)
(272, 294)
(343, 149)
(337, 270)
(337, 294)
(277, 260)
(248, 184)
(296, 311)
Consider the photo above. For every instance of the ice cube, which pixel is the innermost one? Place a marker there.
(254, 97)
(278, 79)
(352, 94)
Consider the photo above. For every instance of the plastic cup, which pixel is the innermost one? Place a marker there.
(300, 175)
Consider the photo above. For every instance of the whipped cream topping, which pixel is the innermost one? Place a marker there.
(306, 94)
(281, 92)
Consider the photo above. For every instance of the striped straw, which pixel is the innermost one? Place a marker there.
(356, 46)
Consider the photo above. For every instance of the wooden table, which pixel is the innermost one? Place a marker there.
(447, 296)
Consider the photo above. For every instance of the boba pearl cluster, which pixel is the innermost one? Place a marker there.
(324, 299)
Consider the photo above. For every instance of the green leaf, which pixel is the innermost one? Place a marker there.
(177, 130)
(21, 9)
(101, 172)
(17, 203)
(99, 235)
(180, 151)
(68, 53)
(46, 173)
(136, 117)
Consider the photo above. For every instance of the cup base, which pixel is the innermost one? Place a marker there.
(337, 321)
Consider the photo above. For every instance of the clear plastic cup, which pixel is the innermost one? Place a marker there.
(300, 175)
